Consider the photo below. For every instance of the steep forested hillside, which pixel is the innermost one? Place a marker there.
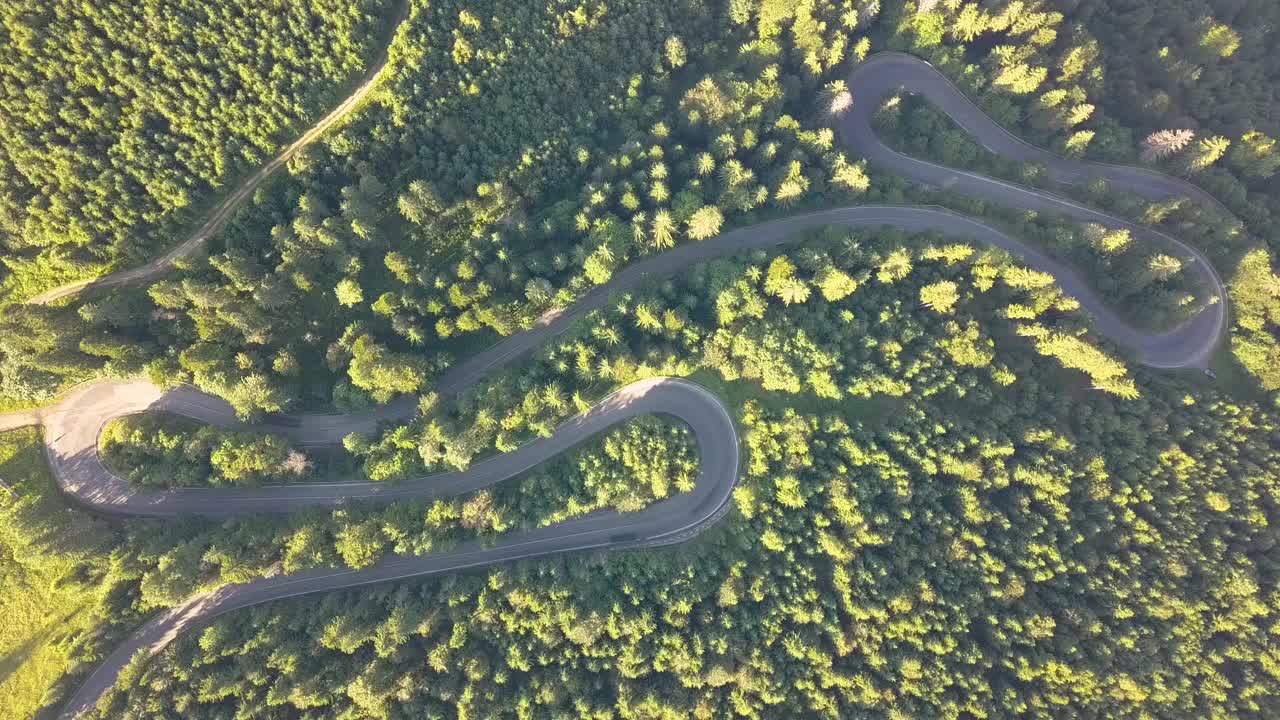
(957, 498)
(120, 122)
(51, 605)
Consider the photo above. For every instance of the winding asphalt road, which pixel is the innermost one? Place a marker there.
(668, 521)
(73, 425)
(1189, 345)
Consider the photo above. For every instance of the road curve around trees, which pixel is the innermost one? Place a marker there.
(1189, 345)
(665, 522)
(72, 425)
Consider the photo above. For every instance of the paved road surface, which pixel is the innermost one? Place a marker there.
(74, 423)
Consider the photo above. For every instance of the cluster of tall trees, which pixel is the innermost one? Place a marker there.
(1191, 93)
(836, 321)
(1255, 292)
(1143, 280)
(162, 451)
(122, 119)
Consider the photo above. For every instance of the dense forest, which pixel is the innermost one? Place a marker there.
(957, 500)
(74, 584)
(122, 121)
(933, 521)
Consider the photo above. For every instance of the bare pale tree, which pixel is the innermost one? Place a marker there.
(839, 99)
(868, 10)
(1164, 143)
(295, 463)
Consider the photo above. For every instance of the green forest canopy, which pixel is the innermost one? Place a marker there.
(119, 122)
(935, 519)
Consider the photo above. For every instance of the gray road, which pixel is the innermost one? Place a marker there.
(74, 423)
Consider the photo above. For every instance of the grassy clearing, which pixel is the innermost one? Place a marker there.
(46, 599)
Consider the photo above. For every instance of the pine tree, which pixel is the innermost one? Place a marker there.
(940, 297)
(348, 292)
(705, 222)
(1108, 240)
(1219, 39)
(852, 176)
(706, 163)
(1020, 78)
(969, 23)
(835, 284)
(1078, 114)
(1076, 145)
(1207, 152)
(1163, 267)
(674, 52)
(663, 230)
